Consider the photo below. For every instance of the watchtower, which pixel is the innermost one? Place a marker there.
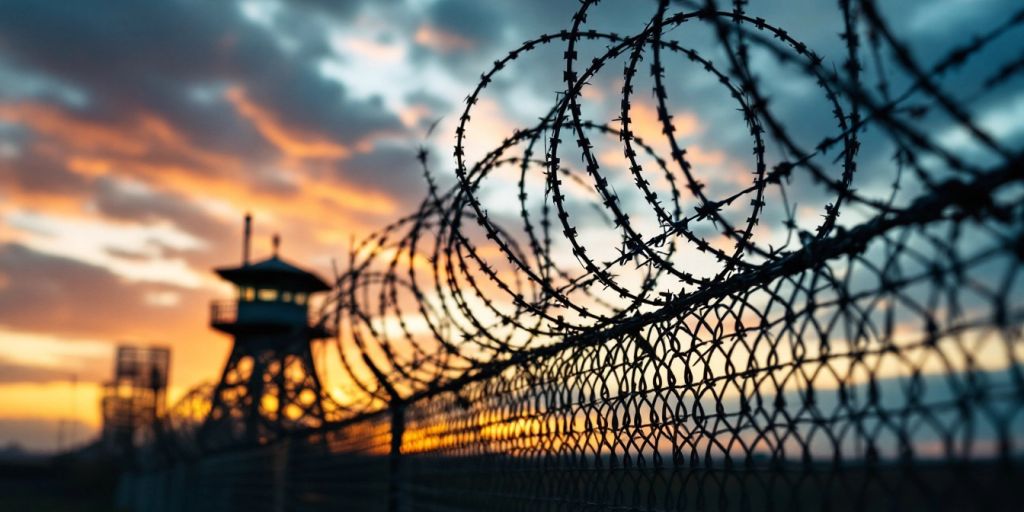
(269, 384)
(135, 399)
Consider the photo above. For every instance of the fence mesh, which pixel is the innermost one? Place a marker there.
(592, 319)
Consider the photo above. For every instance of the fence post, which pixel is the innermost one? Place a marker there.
(396, 492)
(280, 472)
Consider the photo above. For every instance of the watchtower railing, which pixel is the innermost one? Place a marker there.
(223, 312)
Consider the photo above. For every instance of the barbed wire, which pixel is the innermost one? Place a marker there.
(459, 293)
(584, 319)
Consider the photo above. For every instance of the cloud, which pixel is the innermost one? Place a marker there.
(135, 62)
(53, 294)
(189, 113)
(12, 372)
(464, 24)
(292, 144)
(390, 170)
(461, 35)
(140, 204)
(441, 41)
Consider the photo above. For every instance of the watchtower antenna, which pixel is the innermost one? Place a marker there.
(246, 238)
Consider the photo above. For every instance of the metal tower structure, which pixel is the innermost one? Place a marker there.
(136, 398)
(269, 384)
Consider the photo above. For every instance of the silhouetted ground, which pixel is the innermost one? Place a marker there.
(56, 485)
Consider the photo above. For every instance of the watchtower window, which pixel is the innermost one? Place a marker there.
(268, 294)
(286, 296)
(300, 298)
(247, 293)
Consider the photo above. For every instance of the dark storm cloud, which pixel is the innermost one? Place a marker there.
(45, 293)
(435, 107)
(342, 9)
(433, 102)
(478, 22)
(463, 34)
(390, 169)
(40, 174)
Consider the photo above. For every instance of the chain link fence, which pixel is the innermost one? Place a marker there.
(592, 319)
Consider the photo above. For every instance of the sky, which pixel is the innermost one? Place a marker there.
(134, 136)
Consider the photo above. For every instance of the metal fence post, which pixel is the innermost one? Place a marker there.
(396, 490)
(280, 472)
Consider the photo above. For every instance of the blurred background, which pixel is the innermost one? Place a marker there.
(134, 136)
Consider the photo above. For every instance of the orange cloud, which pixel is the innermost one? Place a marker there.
(316, 201)
(645, 123)
(39, 201)
(441, 40)
(290, 141)
(374, 50)
(700, 156)
(78, 133)
(88, 166)
(93, 149)
(413, 114)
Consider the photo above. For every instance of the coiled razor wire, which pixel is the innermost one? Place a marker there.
(641, 336)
